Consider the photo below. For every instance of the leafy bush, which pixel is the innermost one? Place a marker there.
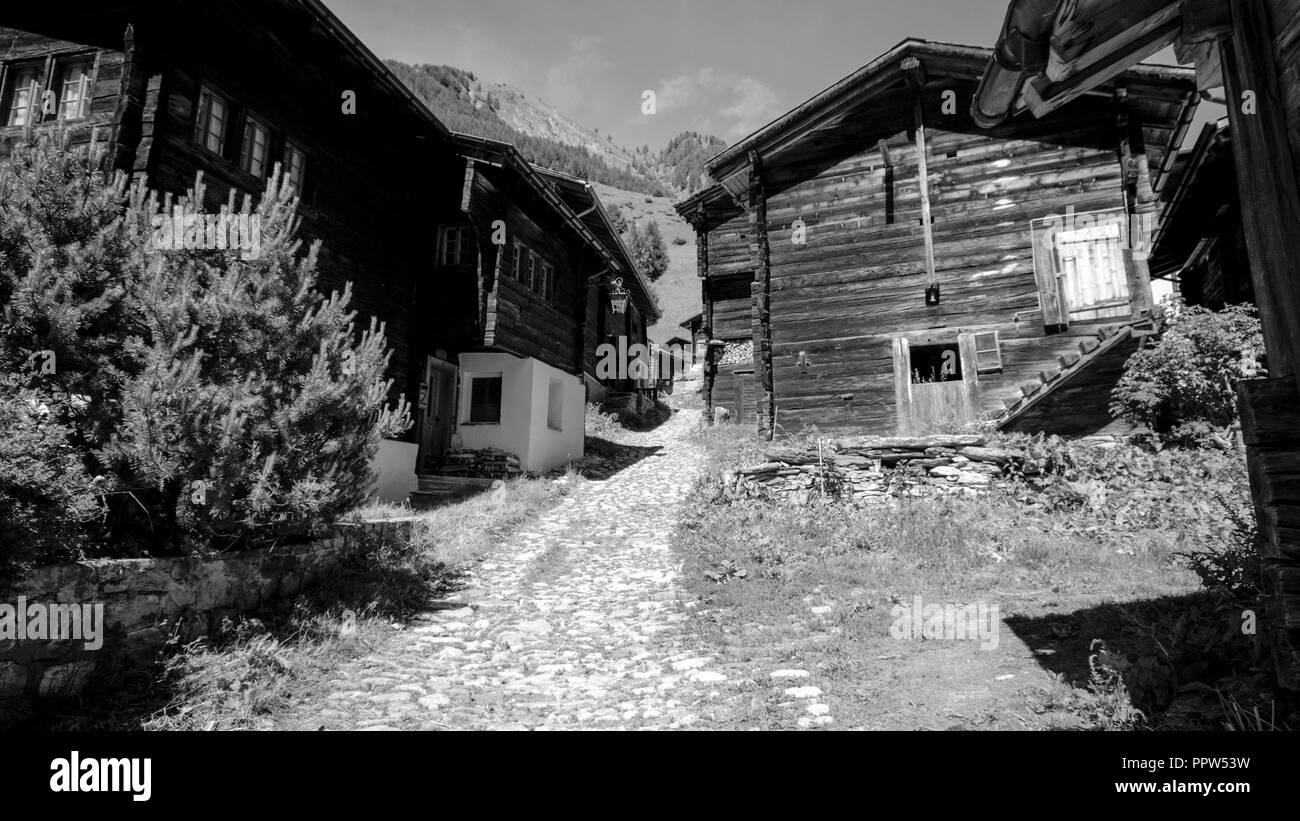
(1188, 376)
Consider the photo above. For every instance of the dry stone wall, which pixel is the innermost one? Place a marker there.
(870, 467)
(144, 603)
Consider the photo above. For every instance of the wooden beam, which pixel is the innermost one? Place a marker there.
(1042, 96)
(761, 290)
(1266, 179)
(1132, 167)
(706, 315)
(915, 74)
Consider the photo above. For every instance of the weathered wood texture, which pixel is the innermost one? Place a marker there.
(1271, 430)
(858, 282)
(1264, 142)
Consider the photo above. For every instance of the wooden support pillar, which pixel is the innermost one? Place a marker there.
(1135, 171)
(706, 313)
(761, 290)
(1270, 427)
(1270, 409)
(1266, 179)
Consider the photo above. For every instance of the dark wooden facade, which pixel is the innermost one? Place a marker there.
(814, 248)
(382, 179)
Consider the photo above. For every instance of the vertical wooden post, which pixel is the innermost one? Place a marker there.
(1266, 179)
(1132, 161)
(902, 386)
(760, 251)
(915, 74)
(706, 311)
(1270, 409)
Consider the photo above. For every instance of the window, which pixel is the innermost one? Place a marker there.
(548, 281)
(516, 263)
(988, 352)
(555, 406)
(453, 245)
(485, 400)
(210, 121)
(255, 147)
(534, 270)
(22, 95)
(1090, 260)
(936, 363)
(74, 89)
(295, 167)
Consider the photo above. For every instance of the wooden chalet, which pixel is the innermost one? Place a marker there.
(1054, 56)
(874, 261)
(492, 347)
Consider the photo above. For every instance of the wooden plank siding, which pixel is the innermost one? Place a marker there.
(858, 282)
(844, 198)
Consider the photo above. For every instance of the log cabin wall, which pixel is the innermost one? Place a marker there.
(113, 80)
(858, 281)
(520, 320)
(841, 186)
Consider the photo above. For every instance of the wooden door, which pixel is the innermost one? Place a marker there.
(936, 386)
(437, 410)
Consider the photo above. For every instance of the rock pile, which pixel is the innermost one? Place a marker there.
(489, 463)
(867, 467)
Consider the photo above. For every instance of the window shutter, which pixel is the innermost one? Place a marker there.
(1055, 311)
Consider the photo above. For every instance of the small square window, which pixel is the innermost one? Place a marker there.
(485, 400)
(555, 406)
(988, 352)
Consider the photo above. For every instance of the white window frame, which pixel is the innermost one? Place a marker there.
(81, 89)
(21, 115)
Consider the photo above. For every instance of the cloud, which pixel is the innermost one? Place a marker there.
(568, 82)
(729, 105)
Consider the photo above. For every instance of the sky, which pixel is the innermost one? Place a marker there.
(723, 67)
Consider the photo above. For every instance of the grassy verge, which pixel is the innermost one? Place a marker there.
(241, 677)
(1103, 621)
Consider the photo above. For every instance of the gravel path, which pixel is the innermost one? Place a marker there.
(576, 623)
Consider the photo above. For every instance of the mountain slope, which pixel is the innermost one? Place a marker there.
(466, 104)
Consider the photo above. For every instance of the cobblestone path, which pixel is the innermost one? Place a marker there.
(576, 623)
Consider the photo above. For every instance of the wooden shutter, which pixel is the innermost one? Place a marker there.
(1055, 311)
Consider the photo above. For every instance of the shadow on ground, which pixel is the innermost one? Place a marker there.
(1186, 660)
